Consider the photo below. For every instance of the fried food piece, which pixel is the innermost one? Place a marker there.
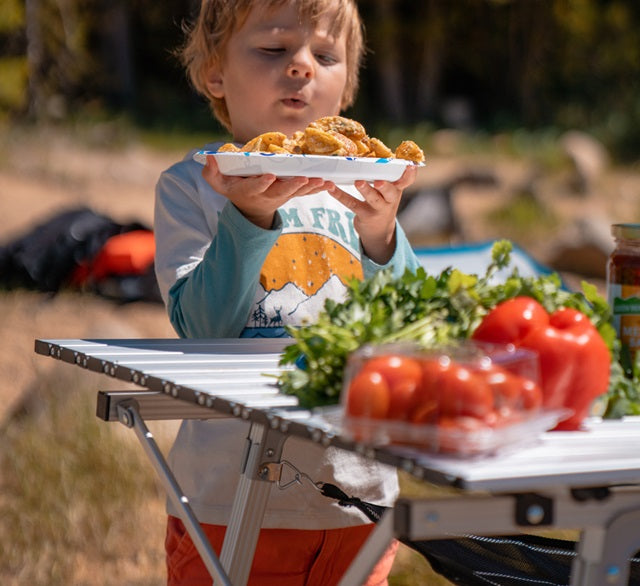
(328, 143)
(349, 147)
(274, 148)
(363, 147)
(345, 126)
(274, 138)
(262, 142)
(379, 149)
(295, 143)
(410, 151)
(329, 136)
(254, 145)
(229, 147)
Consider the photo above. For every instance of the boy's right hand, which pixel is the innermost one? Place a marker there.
(259, 196)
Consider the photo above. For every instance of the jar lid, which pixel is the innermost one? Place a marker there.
(626, 231)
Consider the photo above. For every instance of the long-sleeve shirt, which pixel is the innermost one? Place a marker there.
(221, 276)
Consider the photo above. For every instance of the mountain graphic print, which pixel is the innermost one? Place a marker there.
(304, 268)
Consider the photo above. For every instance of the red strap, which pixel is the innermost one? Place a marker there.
(131, 253)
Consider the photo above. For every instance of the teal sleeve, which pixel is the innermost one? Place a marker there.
(214, 300)
(403, 258)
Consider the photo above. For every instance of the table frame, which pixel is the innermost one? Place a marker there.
(603, 501)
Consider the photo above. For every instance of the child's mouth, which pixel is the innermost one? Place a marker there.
(294, 103)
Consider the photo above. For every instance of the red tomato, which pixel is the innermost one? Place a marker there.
(455, 434)
(512, 392)
(503, 385)
(424, 411)
(396, 368)
(461, 424)
(449, 389)
(464, 392)
(531, 394)
(368, 395)
(401, 397)
(403, 375)
(424, 404)
(511, 320)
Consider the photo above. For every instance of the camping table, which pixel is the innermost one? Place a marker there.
(587, 480)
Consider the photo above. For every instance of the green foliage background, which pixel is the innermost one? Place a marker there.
(503, 64)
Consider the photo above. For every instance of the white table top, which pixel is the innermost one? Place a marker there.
(229, 377)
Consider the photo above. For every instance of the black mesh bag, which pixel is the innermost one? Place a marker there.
(508, 560)
(505, 560)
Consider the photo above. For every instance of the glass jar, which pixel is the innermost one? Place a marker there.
(623, 286)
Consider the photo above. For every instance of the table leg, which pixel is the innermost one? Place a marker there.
(604, 552)
(370, 552)
(264, 446)
(128, 415)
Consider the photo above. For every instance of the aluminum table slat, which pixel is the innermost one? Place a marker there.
(237, 375)
(608, 453)
(176, 345)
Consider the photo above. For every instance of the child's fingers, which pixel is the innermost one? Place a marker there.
(231, 185)
(211, 174)
(378, 194)
(210, 168)
(407, 178)
(344, 198)
(285, 189)
(314, 185)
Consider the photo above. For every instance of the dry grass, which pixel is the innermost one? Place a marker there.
(80, 504)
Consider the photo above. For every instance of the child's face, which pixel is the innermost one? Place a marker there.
(279, 74)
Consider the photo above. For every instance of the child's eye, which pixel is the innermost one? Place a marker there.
(326, 59)
(273, 50)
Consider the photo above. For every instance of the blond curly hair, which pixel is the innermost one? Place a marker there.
(207, 38)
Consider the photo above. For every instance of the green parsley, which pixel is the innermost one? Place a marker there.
(433, 310)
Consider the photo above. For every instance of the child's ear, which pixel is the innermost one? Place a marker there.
(214, 82)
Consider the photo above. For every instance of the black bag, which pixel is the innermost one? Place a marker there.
(46, 257)
(505, 560)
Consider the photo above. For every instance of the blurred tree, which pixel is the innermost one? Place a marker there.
(115, 37)
(389, 58)
(58, 55)
(13, 62)
(470, 63)
(451, 58)
(596, 81)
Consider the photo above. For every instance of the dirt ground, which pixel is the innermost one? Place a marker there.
(37, 181)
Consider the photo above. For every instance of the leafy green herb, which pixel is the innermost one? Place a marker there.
(430, 311)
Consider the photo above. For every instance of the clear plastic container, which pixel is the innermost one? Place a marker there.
(466, 399)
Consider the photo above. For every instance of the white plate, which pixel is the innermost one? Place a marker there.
(342, 170)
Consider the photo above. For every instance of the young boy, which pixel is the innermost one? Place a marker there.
(226, 247)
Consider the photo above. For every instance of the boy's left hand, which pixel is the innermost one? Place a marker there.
(375, 216)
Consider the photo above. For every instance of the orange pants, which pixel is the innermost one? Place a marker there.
(283, 557)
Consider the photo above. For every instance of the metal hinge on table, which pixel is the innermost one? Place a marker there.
(273, 472)
(152, 405)
(534, 510)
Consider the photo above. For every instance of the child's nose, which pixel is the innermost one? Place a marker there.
(301, 65)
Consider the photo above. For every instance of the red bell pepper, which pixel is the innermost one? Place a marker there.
(574, 359)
